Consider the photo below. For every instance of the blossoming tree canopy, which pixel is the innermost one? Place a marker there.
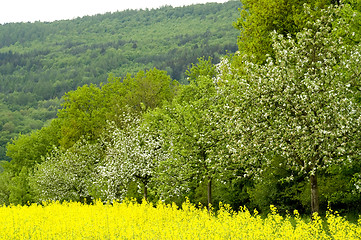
(300, 105)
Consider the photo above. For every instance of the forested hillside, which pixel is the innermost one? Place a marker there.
(39, 62)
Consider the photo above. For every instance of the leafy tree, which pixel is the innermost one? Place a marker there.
(300, 106)
(86, 110)
(85, 114)
(27, 150)
(20, 191)
(149, 89)
(82, 114)
(271, 188)
(260, 17)
(202, 68)
(132, 154)
(194, 126)
(68, 174)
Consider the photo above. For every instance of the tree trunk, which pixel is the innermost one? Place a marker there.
(145, 190)
(209, 193)
(315, 205)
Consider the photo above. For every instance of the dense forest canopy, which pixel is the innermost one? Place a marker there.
(277, 122)
(41, 61)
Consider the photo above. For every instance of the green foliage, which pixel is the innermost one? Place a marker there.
(148, 90)
(250, 130)
(67, 174)
(17, 119)
(300, 106)
(40, 62)
(193, 125)
(20, 192)
(86, 110)
(84, 115)
(271, 188)
(26, 150)
(202, 68)
(4, 185)
(260, 17)
(132, 156)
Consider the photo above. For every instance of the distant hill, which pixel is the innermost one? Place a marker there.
(41, 61)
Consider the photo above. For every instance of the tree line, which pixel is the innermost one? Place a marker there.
(278, 122)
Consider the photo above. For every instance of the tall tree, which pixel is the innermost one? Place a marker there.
(194, 126)
(26, 151)
(86, 110)
(82, 114)
(300, 106)
(149, 89)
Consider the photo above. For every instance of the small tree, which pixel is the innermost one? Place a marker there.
(68, 174)
(132, 154)
(300, 106)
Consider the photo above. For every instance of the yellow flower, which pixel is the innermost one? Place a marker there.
(130, 220)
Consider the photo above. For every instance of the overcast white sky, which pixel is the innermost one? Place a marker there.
(50, 10)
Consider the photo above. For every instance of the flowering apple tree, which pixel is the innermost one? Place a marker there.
(301, 105)
(68, 174)
(132, 154)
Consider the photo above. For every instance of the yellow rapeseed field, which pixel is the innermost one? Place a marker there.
(130, 220)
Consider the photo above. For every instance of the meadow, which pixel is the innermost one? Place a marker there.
(131, 220)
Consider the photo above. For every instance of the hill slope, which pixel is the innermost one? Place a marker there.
(40, 61)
